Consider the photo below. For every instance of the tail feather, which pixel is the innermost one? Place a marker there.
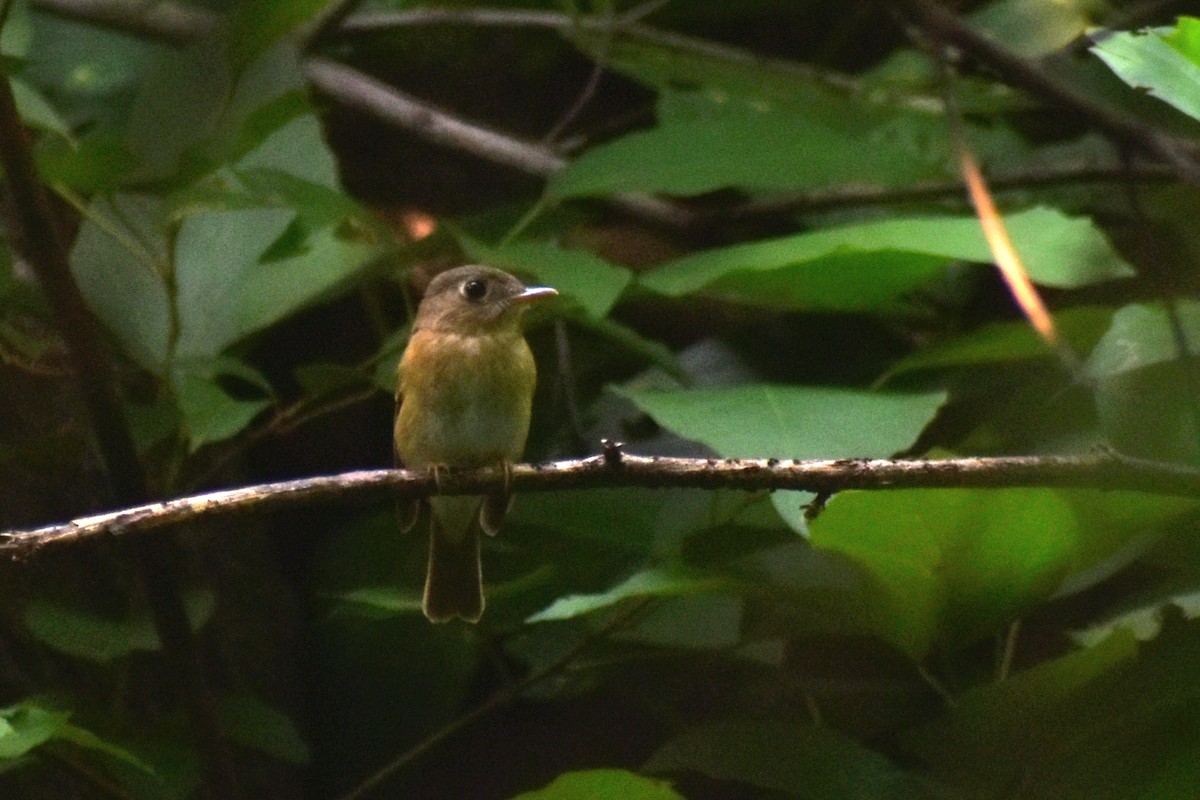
(454, 582)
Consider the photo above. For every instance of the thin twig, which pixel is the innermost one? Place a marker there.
(173, 23)
(944, 27)
(1018, 180)
(364, 93)
(502, 697)
(1108, 471)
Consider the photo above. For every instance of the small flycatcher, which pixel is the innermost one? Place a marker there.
(463, 400)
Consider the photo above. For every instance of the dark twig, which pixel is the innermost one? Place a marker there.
(360, 91)
(944, 27)
(1032, 178)
(1100, 471)
(41, 242)
(173, 23)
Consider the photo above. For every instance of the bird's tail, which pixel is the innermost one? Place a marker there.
(454, 582)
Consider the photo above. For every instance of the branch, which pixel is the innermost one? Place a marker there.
(944, 27)
(614, 469)
(159, 21)
(1049, 175)
(360, 91)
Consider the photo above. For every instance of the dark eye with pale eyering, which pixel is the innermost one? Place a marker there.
(474, 290)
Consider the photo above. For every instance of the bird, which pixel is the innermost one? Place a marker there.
(463, 399)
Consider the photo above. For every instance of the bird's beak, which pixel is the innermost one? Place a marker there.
(534, 293)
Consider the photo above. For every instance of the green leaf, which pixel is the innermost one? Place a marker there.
(602, 784)
(379, 602)
(744, 147)
(256, 26)
(1160, 60)
(1186, 38)
(226, 291)
(1145, 395)
(35, 110)
(800, 760)
(1000, 342)
(27, 725)
(960, 563)
(648, 583)
(120, 262)
(81, 737)
(873, 264)
(210, 412)
(584, 279)
(104, 639)
(790, 422)
(774, 421)
(252, 723)
(1141, 336)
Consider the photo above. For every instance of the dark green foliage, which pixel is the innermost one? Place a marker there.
(834, 298)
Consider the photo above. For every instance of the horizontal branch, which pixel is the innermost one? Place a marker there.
(615, 469)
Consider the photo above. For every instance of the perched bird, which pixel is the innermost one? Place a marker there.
(463, 400)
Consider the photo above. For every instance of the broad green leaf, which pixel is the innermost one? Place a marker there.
(602, 784)
(252, 723)
(1000, 342)
(226, 291)
(1145, 396)
(120, 262)
(294, 148)
(26, 725)
(960, 563)
(583, 279)
(103, 639)
(648, 583)
(874, 264)
(743, 148)
(797, 759)
(210, 412)
(954, 562)
(1141, 336)
(774, 421)
(1160, 60)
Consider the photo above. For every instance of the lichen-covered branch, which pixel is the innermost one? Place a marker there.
(615, 469)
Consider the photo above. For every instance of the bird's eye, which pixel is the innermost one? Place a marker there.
(474, 290)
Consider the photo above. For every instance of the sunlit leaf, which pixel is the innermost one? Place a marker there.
(1163, 61)
(1000, 342)
(649, 583)
(874, 264)
(26, 725)
(602, 784)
